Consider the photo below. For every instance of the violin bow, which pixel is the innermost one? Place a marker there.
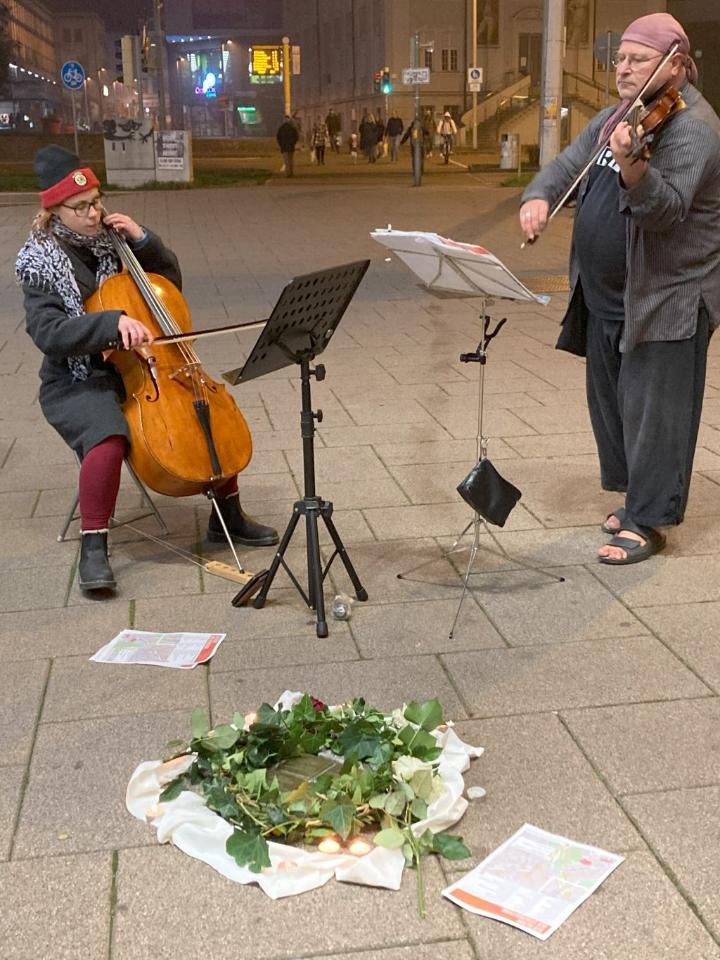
(637, 102)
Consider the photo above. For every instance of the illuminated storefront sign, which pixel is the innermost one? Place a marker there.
(265, 64)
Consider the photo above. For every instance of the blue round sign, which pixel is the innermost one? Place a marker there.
(72, 74)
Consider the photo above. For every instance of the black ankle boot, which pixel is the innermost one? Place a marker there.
(242, 528)
(94, 570)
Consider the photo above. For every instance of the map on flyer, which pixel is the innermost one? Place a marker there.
(534, 881)
(181, 650)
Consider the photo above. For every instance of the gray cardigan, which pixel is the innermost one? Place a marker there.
(673, 224)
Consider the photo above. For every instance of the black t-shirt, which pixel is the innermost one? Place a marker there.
(599, 239)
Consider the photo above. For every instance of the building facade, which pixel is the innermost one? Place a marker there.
(32, 93)
(344, 43)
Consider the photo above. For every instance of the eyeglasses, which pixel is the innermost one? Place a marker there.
(83, 209)
(633, 62)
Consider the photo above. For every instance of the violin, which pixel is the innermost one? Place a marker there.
(186, 432)
(650, 118)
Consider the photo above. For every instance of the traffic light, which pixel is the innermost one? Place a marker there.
(386, 82)
(377, 80)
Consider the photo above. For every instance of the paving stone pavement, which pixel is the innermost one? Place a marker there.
(596, 697)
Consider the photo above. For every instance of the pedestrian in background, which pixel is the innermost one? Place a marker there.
(353, 144)
(320, 139)
(394, 131)
(380, 131)
(333, 122)
(368, 137)
(287, 138)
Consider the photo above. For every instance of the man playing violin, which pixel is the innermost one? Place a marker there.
(645, 281)
(65, 259)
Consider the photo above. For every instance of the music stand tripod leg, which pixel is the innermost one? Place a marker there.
(360, 591)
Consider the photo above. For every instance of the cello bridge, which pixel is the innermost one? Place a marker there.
(188, 370)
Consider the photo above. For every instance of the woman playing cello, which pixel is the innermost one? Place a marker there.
(67, 256)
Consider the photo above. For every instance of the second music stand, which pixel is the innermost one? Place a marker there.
(298, 330)
(472, 270)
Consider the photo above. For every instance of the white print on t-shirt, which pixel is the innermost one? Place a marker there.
(606, 159)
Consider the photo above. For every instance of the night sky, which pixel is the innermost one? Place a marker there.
(118, 15)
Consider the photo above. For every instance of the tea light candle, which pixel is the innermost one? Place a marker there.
(359, 847)
(329, 845)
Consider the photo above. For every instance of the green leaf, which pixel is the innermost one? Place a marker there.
(450, 847)
(391, 838)
(172, 790)
(340, 815)
(225, 736)
(419, 808)
(377, 802)
(199, 723)
(267, 715)
(422, 784)
(248, 849)
(419, 743)
(427, 715)
(395, 803)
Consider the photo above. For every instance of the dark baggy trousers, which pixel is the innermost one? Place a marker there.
(645, 408)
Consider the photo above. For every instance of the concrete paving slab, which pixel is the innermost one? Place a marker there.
(385, 683)
(660, 925)
(691, 630)
(78, 776)
(448, 949)
(555, 445)
(562, 676)
(337, 918)
(20, 708)
(417, 628)
(533, 772)
(79, 689)
(652, 746)
(10, 792)
(683, 830)
(18, 505)
(439, 451)
(383, 433)
(579, 608)
(56, 908)
(663, 580)
(37, 634)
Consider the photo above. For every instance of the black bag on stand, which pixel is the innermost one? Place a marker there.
(489, 494)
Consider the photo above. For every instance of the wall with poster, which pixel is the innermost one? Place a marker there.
(173, 156)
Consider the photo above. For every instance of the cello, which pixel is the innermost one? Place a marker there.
(186, 431)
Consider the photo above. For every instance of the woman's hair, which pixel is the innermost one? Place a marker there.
(41, 220)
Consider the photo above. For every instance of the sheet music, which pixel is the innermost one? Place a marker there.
(444, 264)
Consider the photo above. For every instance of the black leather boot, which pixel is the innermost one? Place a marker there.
(94, 570)
(241, 527)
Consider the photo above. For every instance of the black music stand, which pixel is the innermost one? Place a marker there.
(299, 328)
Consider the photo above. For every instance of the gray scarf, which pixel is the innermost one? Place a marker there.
(42, 263)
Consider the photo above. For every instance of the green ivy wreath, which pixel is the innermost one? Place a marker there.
(302, 774)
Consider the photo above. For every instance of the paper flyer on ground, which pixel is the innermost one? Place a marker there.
(182, 650)
(534, 880)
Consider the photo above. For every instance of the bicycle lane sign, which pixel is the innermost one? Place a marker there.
(72, 74)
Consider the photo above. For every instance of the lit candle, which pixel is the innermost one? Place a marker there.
(359, 847)
(156, 810)
(250, 718)
(329, 845)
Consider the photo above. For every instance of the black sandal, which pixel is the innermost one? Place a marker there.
(635, 552)
(619, 515)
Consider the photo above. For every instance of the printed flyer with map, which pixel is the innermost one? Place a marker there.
(534, 880)
(182, 650)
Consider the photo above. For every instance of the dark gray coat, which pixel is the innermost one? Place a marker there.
(85, 412)
(673, 226)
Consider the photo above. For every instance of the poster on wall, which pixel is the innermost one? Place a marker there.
(173, 156)
(577, 21)
(487, 31)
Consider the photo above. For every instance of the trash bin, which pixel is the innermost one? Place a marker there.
(509, 146)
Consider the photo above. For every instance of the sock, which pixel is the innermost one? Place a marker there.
(100, 481)
(226, 488)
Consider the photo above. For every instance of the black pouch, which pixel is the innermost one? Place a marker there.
(489, 494)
